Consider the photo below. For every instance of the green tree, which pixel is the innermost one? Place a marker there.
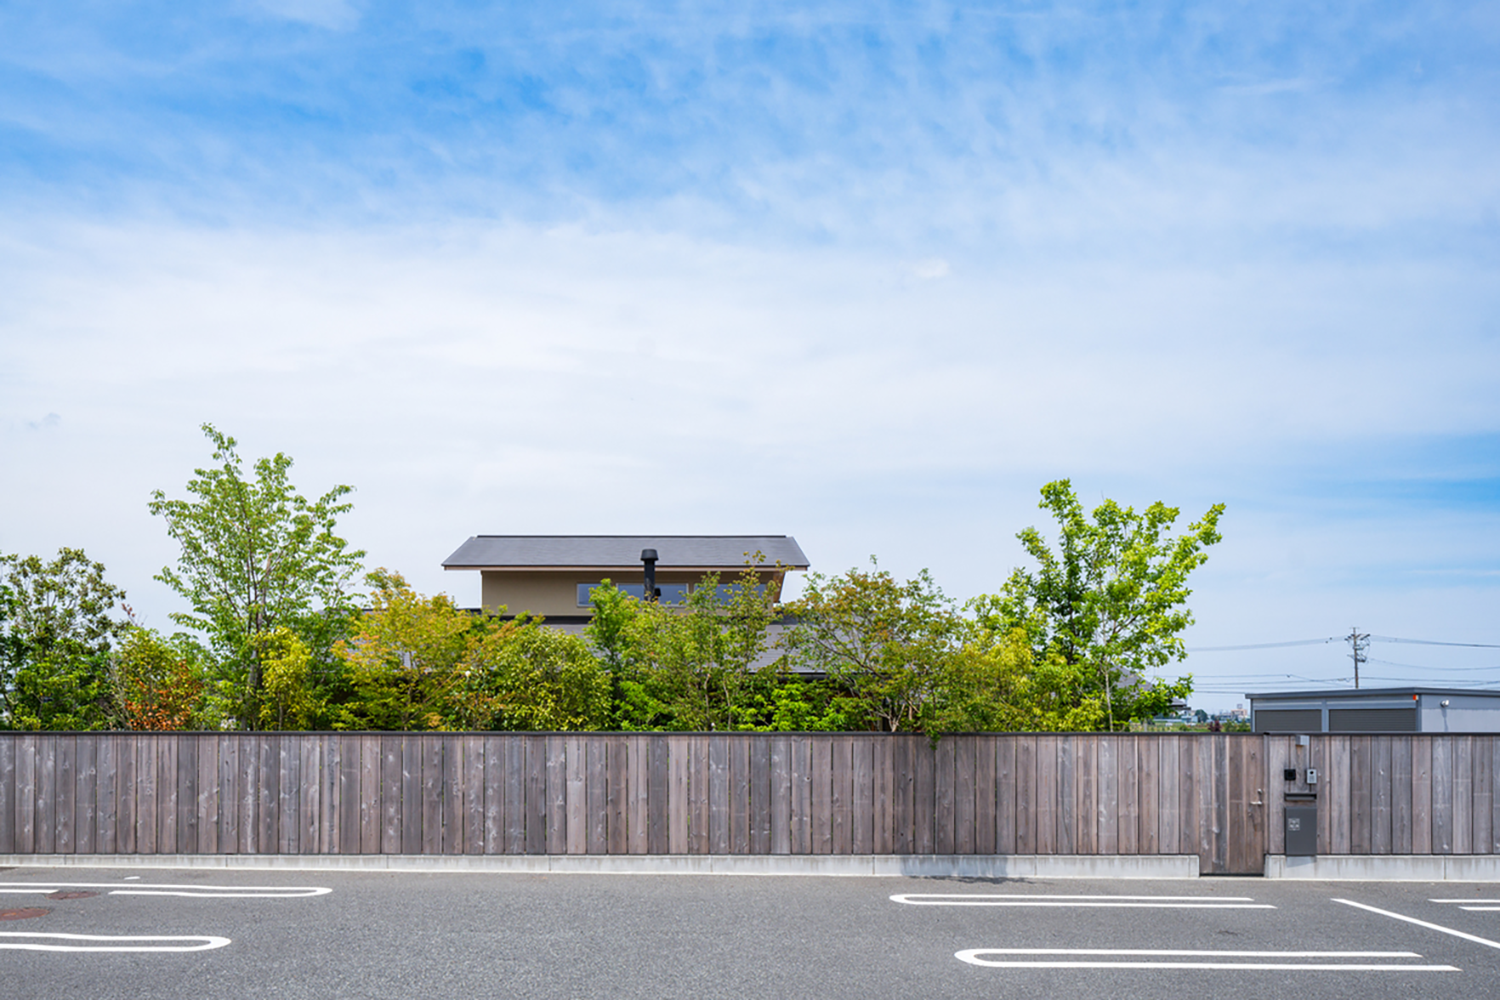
(256, 556)
(55, 618)
(158, 682)
(993, 684)
(532, 677)
(885, 641)
(1111, 600)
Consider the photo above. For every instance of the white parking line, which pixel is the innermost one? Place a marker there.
(24, 941)
(190, 891)
(1126, 902)
(1421, 923)
(1492, 907)
(1154, 959)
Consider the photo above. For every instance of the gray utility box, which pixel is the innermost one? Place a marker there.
(1301, 825)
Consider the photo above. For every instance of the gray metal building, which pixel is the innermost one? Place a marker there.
(1376, 710)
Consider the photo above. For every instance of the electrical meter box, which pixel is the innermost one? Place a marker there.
(1301, 826)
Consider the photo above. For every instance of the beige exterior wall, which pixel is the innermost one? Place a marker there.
(555, 592)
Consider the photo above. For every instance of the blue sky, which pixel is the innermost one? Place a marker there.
(865, 274)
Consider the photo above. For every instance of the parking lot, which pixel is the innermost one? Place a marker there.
(193, 933)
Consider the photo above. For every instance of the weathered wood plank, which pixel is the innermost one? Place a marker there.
(7, 794)
(638, 839)
(146, 803)
(289, 756)
(841, 797)
(924, 795)
(944, 777)
(903, 795)
(782, 780)
(432, 793)
(984, 795)
(1128, 795)
(1381, 790)
(1361, 793)
(1065, 798)
(247, 786)
(1337, 783)
(126, 815)
(801, 812)
(659, 807)
(46, 793)
(740, 801)
(1494, 847)
(862, 806)
(350, 796)
(107, 792)
(208, 793)
(1028, 795)
(717, 841)
(1207, 819)
(761, 796)
(25, 797)
(618, 795)
(1168, 795)
(1045, 795)
(67, 792)
(524, 784)
(1101, 832)
(679, 816)
(463, 803)
(821, 774)
(310, 785)
(557, 795)
(1421, 795)
(1442, 794)
(1005, 794)
(595, 819)
(1463, 795)
(1401, 792)
(392, 787)
(1481, 794)
(1148, 781)
(883, 770)
(497, 765)
(964, 818)
(575, 800)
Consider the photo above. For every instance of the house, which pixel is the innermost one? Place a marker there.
(1376, 710)
(552, 575)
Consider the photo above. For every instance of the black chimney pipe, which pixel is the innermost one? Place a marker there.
(648, 556)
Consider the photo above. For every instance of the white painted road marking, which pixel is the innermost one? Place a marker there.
(190, 891)
(24, 941)
(1420, 923)
(1129, 902)
(1466, 904)
(1154, 960)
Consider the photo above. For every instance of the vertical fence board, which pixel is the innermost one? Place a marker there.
(67, 792)
(1099, 794)
(659, 806)
(247, 788)
(46, 794)
(1169, 796)
(1044, 796)
(523, 791)
(1065, 804)
(310, 784)
(1381, 793)
(1147, 782)
(1463, 791)
(801, 777)
(616, 778)
(1421, 795)
(1494, 847)
(903, 796)
(677, 803)
(963, 817)
(760, 795)
(841, 775)
(25, 796)
(7, 796)
(1401, 796)
(862, 809)
(208, 792)
(1028, 795)
(883, 769)
(782, 780)
(557, 795)
(639, 822)
(718, 795)
(107, 790)
(1127, 795)
(575, 803)
(596, 785)
(924, 795)
(1361, 793)
(739, 795)
(1442, 795)
(145, 794)
(984, 795)
(1005, 794)
(1481, 794)
(698, 801)
(821, 779)
(496, 764)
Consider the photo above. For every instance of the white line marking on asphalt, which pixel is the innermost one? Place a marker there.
(191, 891)
(971, 956)
(1495, 901)
(1420, 923)
(25, 941)
(1128, 902)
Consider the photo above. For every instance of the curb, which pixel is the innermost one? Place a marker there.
(1387, 867)
(1124, 866)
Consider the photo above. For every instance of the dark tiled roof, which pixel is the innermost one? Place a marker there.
(720, 552)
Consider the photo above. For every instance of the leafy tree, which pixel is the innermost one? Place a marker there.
(992, 684)
(406, 658)
(885, 641)
(158, 682)
(291, 700)
(57, 634)
(1111, 600)
(256, 556)
(531, 677)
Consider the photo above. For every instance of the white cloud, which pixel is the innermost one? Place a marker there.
(336, 15)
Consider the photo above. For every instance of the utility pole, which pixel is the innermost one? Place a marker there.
(1357, 642)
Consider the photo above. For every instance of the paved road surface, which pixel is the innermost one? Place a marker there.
(247, 934)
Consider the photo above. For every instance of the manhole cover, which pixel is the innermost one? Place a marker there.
(25, 913)
(63, 894)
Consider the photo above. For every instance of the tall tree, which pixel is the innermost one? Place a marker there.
(56, 631)
(1111, 599)
(256, 556)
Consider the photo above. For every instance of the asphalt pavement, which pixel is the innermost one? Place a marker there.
(210, 934)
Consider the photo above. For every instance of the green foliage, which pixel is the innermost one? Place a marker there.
(539, 678)
(256, 556)
(290, 699)
(1111, 600)
(992, 684)
(887, 643)
(55, 637)
(693, 666)
(158, 682)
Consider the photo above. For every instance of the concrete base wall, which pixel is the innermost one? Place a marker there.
(1388, 867)
(1153, 866)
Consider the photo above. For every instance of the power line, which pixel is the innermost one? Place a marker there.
(1433, 642)
(1266, 645)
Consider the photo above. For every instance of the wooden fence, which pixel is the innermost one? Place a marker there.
(1217, 796)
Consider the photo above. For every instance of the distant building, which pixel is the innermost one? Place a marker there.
(552, 575)
(1376, 710)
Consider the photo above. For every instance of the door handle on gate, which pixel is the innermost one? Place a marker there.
(1258, 793)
